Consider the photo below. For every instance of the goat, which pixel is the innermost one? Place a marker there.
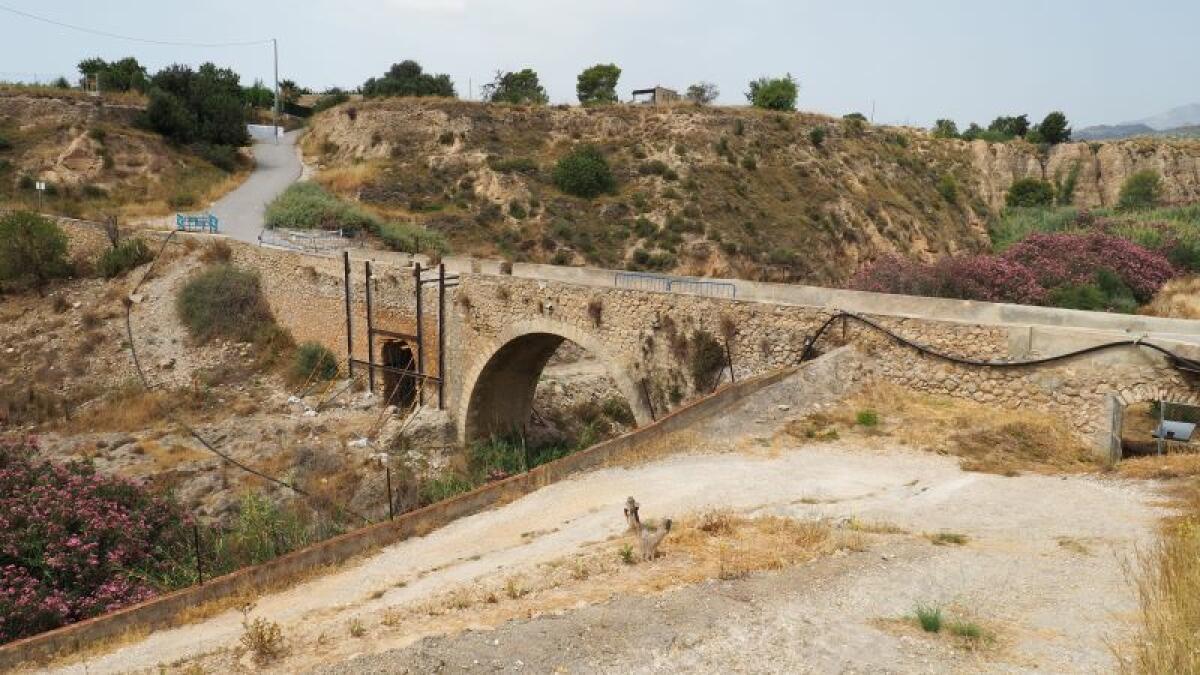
(649, 536)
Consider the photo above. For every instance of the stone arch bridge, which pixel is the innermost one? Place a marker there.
(499, 327)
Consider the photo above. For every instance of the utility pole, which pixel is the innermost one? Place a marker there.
(275, 114)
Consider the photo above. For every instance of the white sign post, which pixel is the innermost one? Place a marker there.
(41, 187)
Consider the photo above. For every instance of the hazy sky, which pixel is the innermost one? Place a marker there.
(1098, 60)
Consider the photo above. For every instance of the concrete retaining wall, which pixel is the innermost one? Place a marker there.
(162, 611)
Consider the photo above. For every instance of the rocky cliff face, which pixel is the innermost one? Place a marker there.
(1100, 169)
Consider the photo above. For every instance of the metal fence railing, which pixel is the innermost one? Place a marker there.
(665, 284)
(315, 242)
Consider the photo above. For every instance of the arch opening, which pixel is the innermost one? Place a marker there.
(551, 395)
(399, 375)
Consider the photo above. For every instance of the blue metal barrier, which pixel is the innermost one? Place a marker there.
(665, 284)
(202, 222)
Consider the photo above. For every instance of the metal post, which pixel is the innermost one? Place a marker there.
(1161, 432)
(391, 509)
(196, 545)
(275, 114)
(349, 334)
(420, 337)
(441, 336)
(370, 332)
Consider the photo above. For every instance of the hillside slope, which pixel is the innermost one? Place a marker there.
(94, 160)
(721, 191)
(706, 191)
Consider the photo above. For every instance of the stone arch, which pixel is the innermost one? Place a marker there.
(1142, 393)
(498, 390)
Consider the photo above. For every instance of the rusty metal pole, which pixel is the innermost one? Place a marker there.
(729, 360)
(391, 509)
(196, 544)
(441, 336)
(370, 332)
(420, 337)
(349, 334)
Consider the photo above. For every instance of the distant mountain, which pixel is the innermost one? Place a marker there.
(1112, 132)
(1181, 121)
(1183, 116)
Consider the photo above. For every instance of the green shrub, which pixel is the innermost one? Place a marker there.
(223, 302)
(778, 93)
(1029, 192)
(314, 362)
(5, 144)
(310, 206)
(945, 128)
(123, 257)
(224, 157)
(182, 200)
(1108, 294)
(947, 187)
(331, 98)
(1066, 187)
(1015, 224)
(413, 239)
(749, 163)
(32, 248)
(930, 618)
(1142, 190)
(816, 136)
(656, 167)
(867, 418)
(584, 173)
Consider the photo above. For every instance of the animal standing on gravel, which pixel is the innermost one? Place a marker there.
(649, 536)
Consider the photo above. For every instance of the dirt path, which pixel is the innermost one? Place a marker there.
(1041, 570)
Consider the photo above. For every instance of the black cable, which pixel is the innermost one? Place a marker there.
(118, 36)
(170, 415)
(1177, 361)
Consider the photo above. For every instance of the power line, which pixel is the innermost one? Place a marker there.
(118, 36)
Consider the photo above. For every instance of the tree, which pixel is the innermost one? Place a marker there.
(973, 132)
(258, 95)
(778, 93)
(1140, 191)
(330, 98)
(1011, 127)
(584, 173)
(1054, 129)
(407, 78)
(289, 93)
(61, 83)
(205, 105)
(598, 84)
(1029, 192)
(945, 129)
(702, 93)
(124, 75)
(32, 248)
(519, 87)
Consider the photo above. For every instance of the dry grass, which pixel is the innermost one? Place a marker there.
(1168, 583)
(987, 439)
(350, 178)
(1177, 299)
(1160, 468)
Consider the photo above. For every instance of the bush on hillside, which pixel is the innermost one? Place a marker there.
(310, 206)
(1025, 192)
(413, 239)
(123, 257)
(945, 128)
(224, 302)
(778, 93)
(1142, 190)
(75, 543)
(197, 106)
(520, 87)
(982, 277)
(32, 249)
(329, 99)
(584, 172)
(314, 362)
(1072, 259)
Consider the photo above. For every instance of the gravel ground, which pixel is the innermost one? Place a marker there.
(1041, 571)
